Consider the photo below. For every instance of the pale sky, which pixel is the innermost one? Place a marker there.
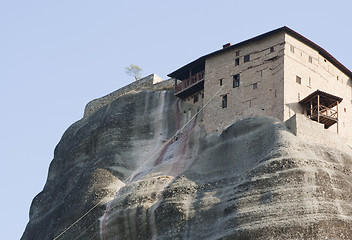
(56, 56)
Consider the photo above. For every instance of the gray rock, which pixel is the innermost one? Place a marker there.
(255, 180)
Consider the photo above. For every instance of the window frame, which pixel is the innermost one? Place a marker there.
(310, 59)
(236, 81)
(292, 48)
(237, 61)
(299, 80)
(224, 101)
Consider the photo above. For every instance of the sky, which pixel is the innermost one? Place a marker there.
(56, 56)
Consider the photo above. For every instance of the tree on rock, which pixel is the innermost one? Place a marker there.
(134, 70)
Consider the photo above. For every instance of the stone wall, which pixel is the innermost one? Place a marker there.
(320, 74)
(268, 84)
(261, 90)
(300, 125)
(188, 108)
(152, 82)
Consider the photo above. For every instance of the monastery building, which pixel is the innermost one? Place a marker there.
(279, 74)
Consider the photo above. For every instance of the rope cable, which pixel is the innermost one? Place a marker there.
(86, 230)
(173, 137)
(79, 219)
(177, 132)
(128, 178)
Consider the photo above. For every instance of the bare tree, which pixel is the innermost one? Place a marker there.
(134, 70)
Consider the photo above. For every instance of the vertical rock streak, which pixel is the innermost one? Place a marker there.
(179, 164)
(255, 180)
(173, 159)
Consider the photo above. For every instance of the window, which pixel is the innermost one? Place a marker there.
(237, 61)
(247, 58)
(255, 85)
(299, 97)
(310, 59)
(237, 53)
(309, 82)
(236, 81)
(224, 101)
(292, 48)
(298, 80)
(220, 82)
(195, 98)
(272, 49)
(337, 78)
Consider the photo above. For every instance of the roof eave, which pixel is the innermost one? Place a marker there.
(285, 29)
(186, 67)
(320, 50)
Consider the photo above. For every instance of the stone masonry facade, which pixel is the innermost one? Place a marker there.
(260, 91)
(268, 76)
(316, 72)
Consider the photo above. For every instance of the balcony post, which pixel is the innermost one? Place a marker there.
(318, 108)
(337, 116)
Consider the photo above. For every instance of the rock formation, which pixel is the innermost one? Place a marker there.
(128, 170)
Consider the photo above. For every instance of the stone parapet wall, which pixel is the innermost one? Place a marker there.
(314, 132)
(152, 82)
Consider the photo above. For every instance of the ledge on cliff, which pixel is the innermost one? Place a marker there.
(151, 82)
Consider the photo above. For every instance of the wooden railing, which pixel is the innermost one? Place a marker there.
(325, 111)
(186, 83)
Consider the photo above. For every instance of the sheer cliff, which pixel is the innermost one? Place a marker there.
(130, 170)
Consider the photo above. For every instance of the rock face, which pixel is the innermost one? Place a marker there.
(128, 171)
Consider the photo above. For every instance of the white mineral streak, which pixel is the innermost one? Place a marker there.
(172, 158)
(254, 180)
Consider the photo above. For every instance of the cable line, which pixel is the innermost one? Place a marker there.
(129, 177)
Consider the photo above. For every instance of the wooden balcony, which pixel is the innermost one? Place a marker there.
(190, 86)
(326, 116)
(322, 107)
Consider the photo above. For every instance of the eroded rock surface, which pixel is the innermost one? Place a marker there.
(255, 180)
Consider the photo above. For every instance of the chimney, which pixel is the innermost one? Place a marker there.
(226, 45)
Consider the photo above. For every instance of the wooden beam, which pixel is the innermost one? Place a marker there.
(337, 118)
(318, 108)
